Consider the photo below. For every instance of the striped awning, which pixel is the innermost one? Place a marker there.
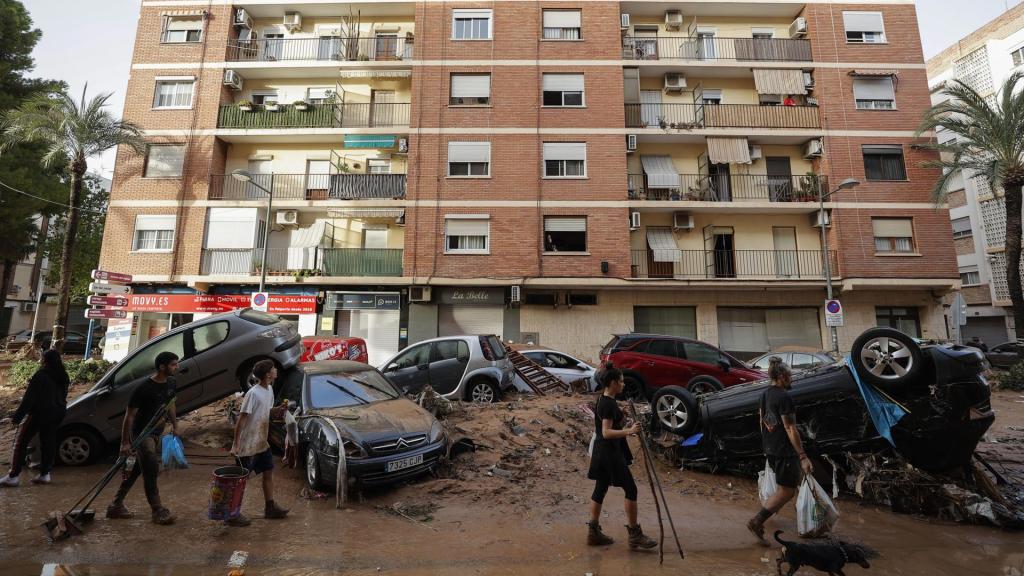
(376, 74)
(728, 150)
(768, 81)
(663, 245)
(366, 213)
(661, 173)
(369, 141)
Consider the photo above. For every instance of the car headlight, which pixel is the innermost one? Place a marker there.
(436, 431)
(352, 449)
(276, 332)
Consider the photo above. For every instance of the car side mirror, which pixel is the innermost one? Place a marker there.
(583, 367)
(391, 367)
(724, 364)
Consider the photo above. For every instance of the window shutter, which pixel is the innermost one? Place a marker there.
(962, 224)
(185, 24)
(863, 22)
(565, 151)
(873, 88)
(469, 13)
(883, 149)
(469, 152)
(562, 83)
(465, 227)
(565, 224)
(561, 18)
(147, 222)
(471, 85)
(892, 227)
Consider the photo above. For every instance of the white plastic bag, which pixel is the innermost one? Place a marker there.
(766, 485)
(815, 513)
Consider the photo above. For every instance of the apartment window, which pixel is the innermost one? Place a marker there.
(164, 161)
(970, 277)
(874, 93)
(962, 227)
(565, 234)
(470, 90)
(173, 92)
(884, 162)
(1018, 56)
(562, 24)
(562, 89)
(893, 235)
(469, 158)
(769, 99)
(379, 166)
(153, 233)
(179, 29)
(762, 33)
(471, 24)
(261, 98)
(711, 96)
(565, 159)
(316, 95)
(864, 27)
(467, 234)
(905, 320)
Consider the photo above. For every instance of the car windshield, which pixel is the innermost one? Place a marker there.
(261, 318)
(342, 390)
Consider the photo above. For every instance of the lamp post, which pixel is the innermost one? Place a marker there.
(246, 176)
(847, 184)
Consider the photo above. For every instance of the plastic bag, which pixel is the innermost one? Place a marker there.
(766, 485)
(172, 452)
(815, 513)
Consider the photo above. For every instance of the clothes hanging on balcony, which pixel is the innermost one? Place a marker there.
(728, 150)
(768, 81)
(661, 173)
(663, 245)
(302, 246)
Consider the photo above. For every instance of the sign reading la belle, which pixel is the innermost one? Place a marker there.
(471, 296)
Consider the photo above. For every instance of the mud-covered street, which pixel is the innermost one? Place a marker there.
(516, 506)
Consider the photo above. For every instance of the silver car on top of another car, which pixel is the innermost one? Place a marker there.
(473, 368)
(561, 366)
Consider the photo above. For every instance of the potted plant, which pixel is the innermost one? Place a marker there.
(810, 187)
(301, 105)
(244, 105)
(271, 106)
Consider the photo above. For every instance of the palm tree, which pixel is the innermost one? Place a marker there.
(989, 144)
(70, 133)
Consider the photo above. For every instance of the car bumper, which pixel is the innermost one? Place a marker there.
(373, 471)
(289, 352)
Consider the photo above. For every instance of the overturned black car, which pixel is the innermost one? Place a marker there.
(941, 388)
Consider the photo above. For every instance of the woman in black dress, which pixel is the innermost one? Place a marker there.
(610, 460)
(41, 411)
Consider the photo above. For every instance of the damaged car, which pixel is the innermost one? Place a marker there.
(941, 389)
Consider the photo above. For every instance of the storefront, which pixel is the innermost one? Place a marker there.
(373, 316)
(471, 311)
(749, 332)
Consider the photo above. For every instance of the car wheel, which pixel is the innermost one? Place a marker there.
(312, 470)
(483, 391)
(675, 410)
(704, 385)
(78, 447)
(245, 370)
(632, 389)
(886, 357)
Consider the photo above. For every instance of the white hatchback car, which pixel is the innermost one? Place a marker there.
(561, 366)
(473, 368)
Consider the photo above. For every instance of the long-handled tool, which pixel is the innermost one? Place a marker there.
(652, 476)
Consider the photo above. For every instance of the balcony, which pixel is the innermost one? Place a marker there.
(344, 115)
(327, 48)
(310, 187)
(304, 261)
(726, 187)
(691, 116)
(732, 264)
(738, 49)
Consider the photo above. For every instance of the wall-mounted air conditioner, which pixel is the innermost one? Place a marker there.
(293, 21)
(419, 294)
(624, 21)
(673, 19)
(288, 217)
(808, 80)
(682, 221)
(232, 80)
(819, 217)
(813, 149)
(674, 82)
(28, 306)
(755, 153)
(630, 142)
(798, 29)
(242, 18)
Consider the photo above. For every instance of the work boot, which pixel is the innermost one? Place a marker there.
(119, 511)
(595, 537)
(163, 517)
(638, 540)
(239, 521)
(274, 512)
(42, 479)
(9, 481)
(756, 527)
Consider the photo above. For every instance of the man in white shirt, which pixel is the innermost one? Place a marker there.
(250, 444)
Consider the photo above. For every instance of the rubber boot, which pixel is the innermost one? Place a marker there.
(756, 527)
(638, 540)
(595, 537)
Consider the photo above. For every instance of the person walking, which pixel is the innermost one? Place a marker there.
(148, 400)
(41, 411)
(782, 445)
(610, 460)
(250, 442)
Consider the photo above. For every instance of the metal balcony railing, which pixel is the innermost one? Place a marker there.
(362, 262)
(715, 48)
(307, 260)
(310, 187)
(691, 116)
(732, 264)
(345, 115)
(330, 48)
(726, 187)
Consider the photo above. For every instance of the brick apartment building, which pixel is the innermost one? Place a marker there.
(551, 171)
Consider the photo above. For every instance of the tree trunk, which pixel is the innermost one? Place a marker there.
(1013, 246)
(77, 169)
(6, 280)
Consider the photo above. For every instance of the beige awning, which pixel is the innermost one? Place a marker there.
(376, 74)
(366, 212)
(779, 81)
(728, 150)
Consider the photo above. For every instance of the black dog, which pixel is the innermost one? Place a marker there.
(825, 556)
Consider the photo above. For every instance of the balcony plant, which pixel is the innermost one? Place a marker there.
(271, 106)
(810, 188)
(301, 105)
(244, 105)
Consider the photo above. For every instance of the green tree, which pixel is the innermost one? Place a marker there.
(90, 238)
(989, 144)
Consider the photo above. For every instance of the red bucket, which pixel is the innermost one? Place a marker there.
(226, 490)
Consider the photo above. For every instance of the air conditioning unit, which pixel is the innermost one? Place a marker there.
(798, 29)
(288, 217)
(634, 220)
(624, 21)
(232, 80)
(813, 149)
(419, 294)
(682, 221)
(755, 153)
(819, 217)
(247, 35)
(403, 145)
(808, 80)
(293, 21)
(674, 82)
(242, 18)
(514, 294)
(28, 306)
(673, 19)
(630, 142)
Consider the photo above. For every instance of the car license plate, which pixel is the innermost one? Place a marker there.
(396, 465)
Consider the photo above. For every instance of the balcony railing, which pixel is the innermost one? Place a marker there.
(310, 187)
(303, 260)
(732, 264)
(740, 49)
(690, 116)
(726, 187)
(329, 48)
(346, 115)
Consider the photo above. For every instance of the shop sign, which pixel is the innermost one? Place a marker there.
(474, 296)
(213, 303)
(118, 338)
(364, 301)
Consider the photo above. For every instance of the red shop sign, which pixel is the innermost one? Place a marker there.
(213, 303)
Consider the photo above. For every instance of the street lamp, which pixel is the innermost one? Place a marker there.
(246, 176)
(847, 184)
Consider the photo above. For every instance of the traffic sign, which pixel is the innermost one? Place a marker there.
(115, 277)
(833, 313)
(92, 313)
(260, 301)
(109, 289)
(107, 301)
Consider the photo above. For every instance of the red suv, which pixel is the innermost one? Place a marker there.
(651, 361)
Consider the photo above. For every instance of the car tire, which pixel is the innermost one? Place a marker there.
(313, 479)
(704, 385)
(632, 389)
(675, 410)
(78, 446)
(483, 391)
(886, 357)
(242, 376)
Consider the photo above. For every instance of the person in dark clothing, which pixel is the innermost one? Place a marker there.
(41, 411)
(978, 343)
(609, 462)
(148, 401)
(782, 445)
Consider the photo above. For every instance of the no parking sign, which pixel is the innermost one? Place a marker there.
(833, 313)
(260, 301)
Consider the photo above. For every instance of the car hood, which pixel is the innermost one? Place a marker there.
(380, 420)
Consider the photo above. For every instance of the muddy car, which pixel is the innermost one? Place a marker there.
(941, 387)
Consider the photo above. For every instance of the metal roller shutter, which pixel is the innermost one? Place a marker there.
(378, 328)
(462, 320)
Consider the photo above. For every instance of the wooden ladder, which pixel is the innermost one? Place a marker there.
(535, 377)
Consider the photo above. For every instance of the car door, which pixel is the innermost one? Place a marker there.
(803, 361)
(448, 361)
(565, 368)
(215, 378)
(1004, 355)
(703, 360)
(664, 364)
(410, 370)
